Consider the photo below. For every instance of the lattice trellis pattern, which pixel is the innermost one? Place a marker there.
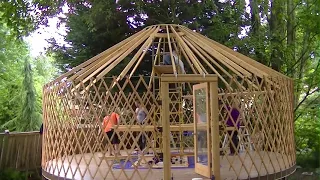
(75, 133)
(75, 145)
(262, 134)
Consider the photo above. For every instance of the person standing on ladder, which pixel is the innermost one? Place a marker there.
(233, 121)
(177, 61)
(141, 116)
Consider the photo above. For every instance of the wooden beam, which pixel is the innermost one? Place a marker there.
(166, 133)
(145, 47)
(188, 52)
(91, 62)
(125, 54)
(224, 60)
(109, 59)
(232, 57)
(164, 35)
(205, 60)
(245, 58)
(189, 78)
(170, 50)
(185, 56)
(154, 63)
(214, 113)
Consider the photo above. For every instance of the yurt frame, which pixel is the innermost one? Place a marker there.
(74, 105)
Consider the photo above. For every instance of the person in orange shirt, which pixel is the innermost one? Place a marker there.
(108, 124)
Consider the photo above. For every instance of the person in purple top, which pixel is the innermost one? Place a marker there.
(233, 120)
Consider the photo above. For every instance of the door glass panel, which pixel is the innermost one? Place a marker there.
(201, 119)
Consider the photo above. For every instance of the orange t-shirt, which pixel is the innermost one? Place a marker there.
(110, 121)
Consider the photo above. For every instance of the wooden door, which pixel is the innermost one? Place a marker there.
(202, 138)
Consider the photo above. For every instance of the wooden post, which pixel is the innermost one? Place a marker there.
(3, 150)
(166, 131)
(214, 111)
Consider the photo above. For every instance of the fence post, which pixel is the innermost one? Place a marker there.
(3, 150)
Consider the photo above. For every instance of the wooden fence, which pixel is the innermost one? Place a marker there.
(20, 151)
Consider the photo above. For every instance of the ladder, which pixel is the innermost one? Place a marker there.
(244, 139)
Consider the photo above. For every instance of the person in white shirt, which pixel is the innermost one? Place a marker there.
(141, 116)
(177, 61)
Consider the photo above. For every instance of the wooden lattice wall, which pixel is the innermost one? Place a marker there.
(75, 104)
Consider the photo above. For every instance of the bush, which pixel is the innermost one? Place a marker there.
(10, 174)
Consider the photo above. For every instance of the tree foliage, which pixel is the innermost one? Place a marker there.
(28, 118)
(284, 35)
(281, 34)
(21, 81)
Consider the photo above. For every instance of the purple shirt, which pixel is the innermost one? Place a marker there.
(234, 117)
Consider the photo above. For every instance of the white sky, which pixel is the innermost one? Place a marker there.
(37, 40)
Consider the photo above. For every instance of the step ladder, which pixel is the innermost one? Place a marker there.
(243, 137)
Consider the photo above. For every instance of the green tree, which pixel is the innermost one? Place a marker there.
(29, 118)
(12, 51)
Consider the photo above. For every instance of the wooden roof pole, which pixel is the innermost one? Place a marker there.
(93, 59)
(106, 54)
(141, 57)
(204, 59)
(245, 58)
(196, 59)
(145, 45)
(106, 61)
(154, 63)
(127, 52)
(170, 50)
(214, 62)
(186, 57)
(209, 57)
(188, 51)
(230, 64)
(235, 59)
(150, 39)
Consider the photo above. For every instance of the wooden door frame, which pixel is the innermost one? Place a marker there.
(212, 79)
(200, 168)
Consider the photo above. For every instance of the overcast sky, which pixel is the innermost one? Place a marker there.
(37, 40)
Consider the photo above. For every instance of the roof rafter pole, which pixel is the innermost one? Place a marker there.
(170, 50)
(154, 63)
(139, 61)
(209, 57)
(224, 60)
(122, 56)
(245, 58)
(204, 59)
(237, 60)
(141, 57)
(145, 45)
(192, 48)
(112, 50)
(93, 59)
(128, 45)
(212, 60)
(150, 39)
(188, 52)
(186, 56)
(106, 61)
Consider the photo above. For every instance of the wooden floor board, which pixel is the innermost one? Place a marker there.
(95, 166)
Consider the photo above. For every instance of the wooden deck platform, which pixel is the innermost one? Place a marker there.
(95, 166)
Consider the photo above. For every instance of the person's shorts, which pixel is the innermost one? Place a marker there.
(115, 138)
